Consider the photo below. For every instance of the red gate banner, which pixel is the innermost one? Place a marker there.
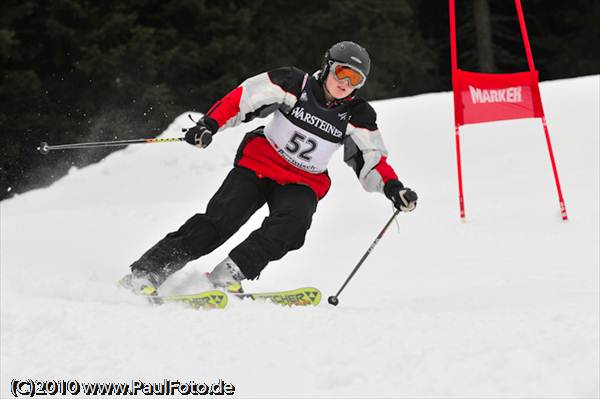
(485, 97)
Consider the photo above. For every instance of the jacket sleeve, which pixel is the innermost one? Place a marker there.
(259, 96)
(365, 151)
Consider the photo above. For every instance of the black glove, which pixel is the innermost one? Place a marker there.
(201, 134)
(403, 198)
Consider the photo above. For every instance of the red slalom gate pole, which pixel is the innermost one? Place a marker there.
(454, 62)
(527, 45)
(561, 201)
(461, 199)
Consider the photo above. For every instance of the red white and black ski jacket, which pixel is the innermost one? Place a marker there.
(297, 143)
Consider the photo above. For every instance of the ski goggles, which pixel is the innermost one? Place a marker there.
(344, 71)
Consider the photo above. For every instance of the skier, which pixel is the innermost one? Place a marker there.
(283, 164)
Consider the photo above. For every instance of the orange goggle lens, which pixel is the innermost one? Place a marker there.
(345, 72)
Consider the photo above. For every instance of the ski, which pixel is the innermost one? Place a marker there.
(305, 296)
(214, 299)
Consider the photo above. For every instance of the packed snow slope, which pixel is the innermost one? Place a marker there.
(504, 304)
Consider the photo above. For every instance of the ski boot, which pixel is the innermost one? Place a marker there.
(227, 275)
(140, 282)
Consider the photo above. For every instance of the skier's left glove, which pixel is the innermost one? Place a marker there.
(201, 134)
(402, 197)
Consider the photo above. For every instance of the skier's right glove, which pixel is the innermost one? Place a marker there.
(402, 197)
(201, 134)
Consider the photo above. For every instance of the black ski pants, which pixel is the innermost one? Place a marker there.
(242, 193)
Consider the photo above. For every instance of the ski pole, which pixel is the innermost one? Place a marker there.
(333, 300)
(45, 148)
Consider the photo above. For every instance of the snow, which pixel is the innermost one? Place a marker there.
(504, 304)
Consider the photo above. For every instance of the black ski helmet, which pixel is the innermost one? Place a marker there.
(349, 53)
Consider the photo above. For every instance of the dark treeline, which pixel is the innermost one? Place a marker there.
(81, 70)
